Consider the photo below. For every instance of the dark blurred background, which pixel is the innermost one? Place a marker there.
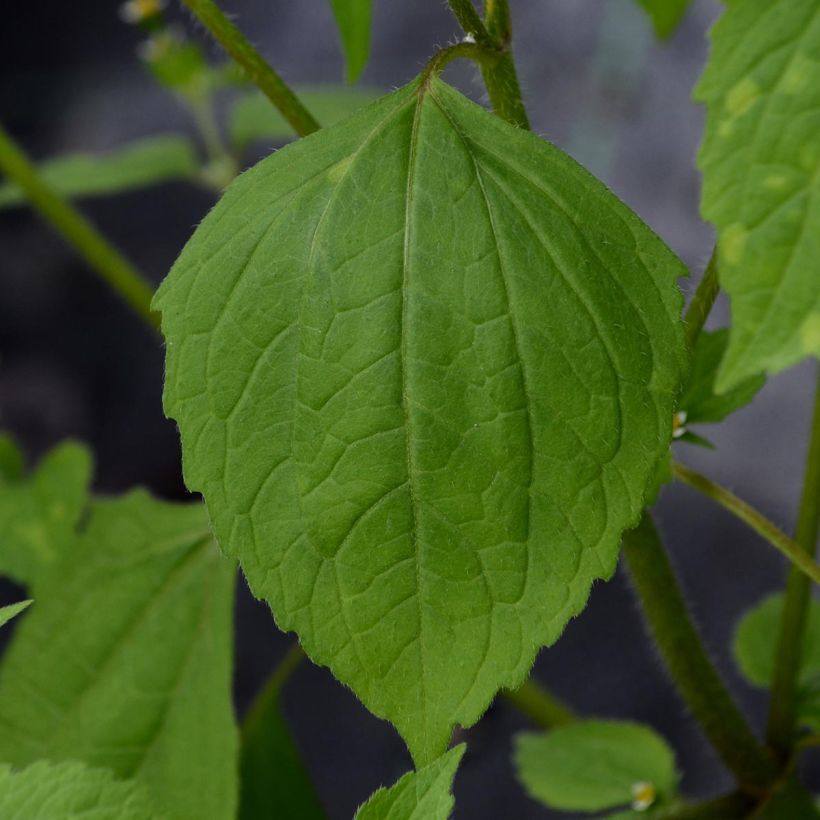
(75, 362)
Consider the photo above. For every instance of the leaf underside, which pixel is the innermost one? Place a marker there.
(423, 367)
(125, 660)
(421, 795)
(761, 171)
(70, 791)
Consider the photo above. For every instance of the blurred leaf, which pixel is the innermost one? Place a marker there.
(254, 117)
(138, 164)
(353, 19)
(12, 463)
(177, 64)
(791, 802)
(699, 400)
(274, 781)
(760, 160)
(39, 514)
(755, 647)
(70, 791)
(125, 661)
(594, 765)
(10, 611)
(421, 795)
(665, 14)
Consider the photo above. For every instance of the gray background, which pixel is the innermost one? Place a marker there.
(74, 362)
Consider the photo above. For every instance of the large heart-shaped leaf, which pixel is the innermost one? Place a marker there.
(761, 175)
(423, 366)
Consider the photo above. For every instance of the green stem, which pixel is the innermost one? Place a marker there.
(272, 687)
(257, 69)
(100, 254)
(728, 807)
(780, 730)
(499, 21)
(702, 301)
(470, 20)
(756, 520)
(470, 51)
(541, 706)
(691, 669)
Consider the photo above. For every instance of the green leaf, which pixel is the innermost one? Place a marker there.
(594, 765)
(665, 14)
(139, 164)
(125, 662)
(353, 18)
(254, 118)
(39, 514)
(421, 795)
(12, 463)
(423, 366)
(761, 172)
(10, 611)
(274, 781)
(699, 400)
(790, 802)
(70, 791)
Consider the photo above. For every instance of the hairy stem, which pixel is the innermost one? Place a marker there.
(100, 254)
(541, 706)
(470, 20)
(755, 519)
(780, 730)
(702, 301)
(469, 51)
(257, 69)
(691, 669)
(272, 687)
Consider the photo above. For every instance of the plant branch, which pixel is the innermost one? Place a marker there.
(470, 20)
(756, 520)
(541, 706)
(469, 51)
(701, 304)
(272, 687)
(257, 69)
(100, 254)
(691, 669)
(780, 729)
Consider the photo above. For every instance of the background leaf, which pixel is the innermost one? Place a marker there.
(699, 400)
(761, 180)
(39, 514)
(70, 791)
(137, 165)
(423, 366)
(353, 19)
(421, 795)
(125, 662)
(254, 118)
(592, 765)
(665, 14)
(12, 610)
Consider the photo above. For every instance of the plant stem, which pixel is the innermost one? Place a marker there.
(100, 254)
(501, 79)
(780, 730)
(257, 69)
(702, 301)
(756, 520)
(732, 806)
(272, 687)
(691, 669)
(541, 706)
(470, 51)
(470, 20)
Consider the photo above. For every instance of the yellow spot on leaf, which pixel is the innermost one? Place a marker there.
(741, 98)
(733, 243)
(810, 334)
(337, 172)
(798, 75)
(776, 182)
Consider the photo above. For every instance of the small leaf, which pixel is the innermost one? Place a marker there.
(761, 172)
(353, 19)
(423, 366)
(421, 795)
(699, 401)
(593, 765)
(274, 781)
(137, 165)
(125, 662)
(70, 791)
(12, 463)
(39, 514)
(665, 14)
(10, 611)
(254, 118)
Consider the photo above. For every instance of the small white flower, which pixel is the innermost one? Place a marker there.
(469, 38)
(679, 424)
(135, 11)
(643, 795)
